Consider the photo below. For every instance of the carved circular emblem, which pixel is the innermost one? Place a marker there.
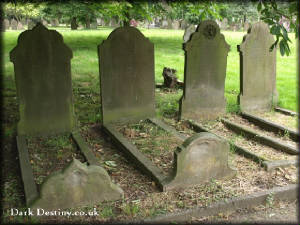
(210, 31)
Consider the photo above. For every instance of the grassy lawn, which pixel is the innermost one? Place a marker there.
(168, 52)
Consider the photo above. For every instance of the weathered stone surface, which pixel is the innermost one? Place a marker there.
(54, 23)
(201, 158)
(43, 80)
(224, 24)
(183, 24)
(45, 23)
(258, 70)
(14, 24)
(94, 25)
(164, 24)
(205, 70)
(246, 26)
(175, 25)
(77, 185)
(126, 62)
(20, 26)
(188, 32)
(6, 24)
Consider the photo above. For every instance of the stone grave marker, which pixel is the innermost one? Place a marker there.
(54, 23)
(14, 24)
(164, 24)
(20, 26)
(224, 24)
(126, 60)
(183, 24)
(258, 70)
(176, 25)
(188, 32)
(45, 23)
(94, 25)
(6, 24)
(202, 157)
(205, 70)
(77, 185)
(43, 81)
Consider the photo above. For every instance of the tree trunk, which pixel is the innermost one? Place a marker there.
(87, 23)
(74, 24)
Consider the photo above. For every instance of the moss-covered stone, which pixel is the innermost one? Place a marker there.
(77, 185)
(43, 80)
(202, 157)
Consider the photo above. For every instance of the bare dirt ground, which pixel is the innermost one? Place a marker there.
(280, 212)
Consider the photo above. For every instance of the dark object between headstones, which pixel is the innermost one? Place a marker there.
(170, 78)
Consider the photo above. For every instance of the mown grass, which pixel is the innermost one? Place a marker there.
(169, 53)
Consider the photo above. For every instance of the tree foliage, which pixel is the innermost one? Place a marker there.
(274, 14)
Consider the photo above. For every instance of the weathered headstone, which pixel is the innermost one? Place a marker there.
(14, 24)
(164, 24)
(94, 25)
(126, 62)
(183, 24)
(31, 24)
(202, 157)
(246, 26)
(54, 23)
(45, 23)
(77, 185)
(175, 24)
(6, 24)
(43, 80)
(20, 26)
(188, 32)
(205, 70)
(224, 24)
(258, 70)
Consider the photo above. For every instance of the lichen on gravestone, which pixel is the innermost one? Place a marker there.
(201, 157)
(205, 71)
(42, 66)
(77, 185)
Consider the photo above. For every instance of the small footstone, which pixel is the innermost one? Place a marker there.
(202, 157)
(77, 185)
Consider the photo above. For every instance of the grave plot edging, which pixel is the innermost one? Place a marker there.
(286, 111)
(30, 187)
(288, 192)
(268, 125)
(133, 154)
(260, 138)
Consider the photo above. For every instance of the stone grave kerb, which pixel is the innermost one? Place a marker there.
(127, 84)
(257, 93)
(203, 92)
(43, 81)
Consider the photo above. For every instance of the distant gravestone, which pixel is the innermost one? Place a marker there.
(6, 24)
(224, 24)
(188, 32)
(176, 25)
(31, 24)
(206, 61)
(258, 70)
(94, 25)
(164, 24)
(20, 26)
(54, 23)
(183, 24)
(77, 185)
(45, 23)
(246, 26)
(43, 80)
(202, 157)
(14, 24)
(126, 61)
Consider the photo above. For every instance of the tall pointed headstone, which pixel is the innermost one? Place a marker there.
(257, 70)
(205, 70)
(43, 80)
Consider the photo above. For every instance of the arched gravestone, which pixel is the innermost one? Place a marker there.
(43, 80)
(126, 61)
(202, 157)
(205, 70)
(257, 70)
